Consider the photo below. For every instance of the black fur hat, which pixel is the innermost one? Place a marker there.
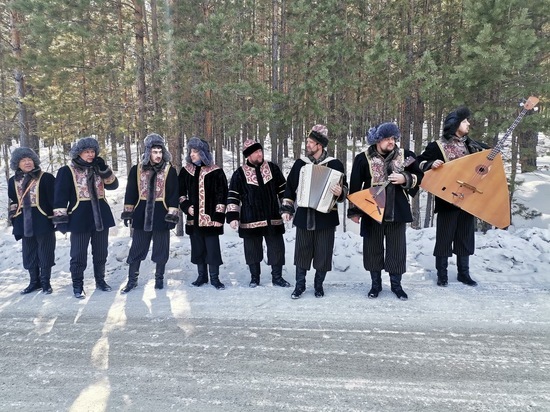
(202, 147)
(377, 133)
(152, 140)
(453, 120)
(319, 133)
(21, 153)
(83, 144)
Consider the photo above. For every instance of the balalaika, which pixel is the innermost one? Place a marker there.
(314, 187)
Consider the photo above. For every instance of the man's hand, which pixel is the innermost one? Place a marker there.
(336, 190)
(234, 224)
(397, 178)
(191, 211)
(286, 217)
(437, 163)
(355, 219)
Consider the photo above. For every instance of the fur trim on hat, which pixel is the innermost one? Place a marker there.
(382, 131)
(202, 147)
(453, 120)
(319, 133)
(250, 146)
(21, 153)
(83, 144)
(151, 140)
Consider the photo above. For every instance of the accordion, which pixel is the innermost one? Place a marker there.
(314, 187)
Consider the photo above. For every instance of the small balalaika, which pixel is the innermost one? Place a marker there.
(372, 201)
(477, 182)
(314, 187)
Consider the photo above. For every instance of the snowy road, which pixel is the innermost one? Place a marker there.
(196, 350)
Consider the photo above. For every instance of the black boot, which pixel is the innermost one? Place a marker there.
(463, 265)
(45, 275)
(376, 287)
(133, 273)
(441, 263)
(78, 285)
(318, 283)
(255, 271)
(203, 275)
(99, 275)
(277, 276)
(395, 281)
(159, 276)
(215, 277)
(34, 283)
(300, 283)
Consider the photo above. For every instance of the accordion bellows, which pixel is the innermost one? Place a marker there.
(314, 187)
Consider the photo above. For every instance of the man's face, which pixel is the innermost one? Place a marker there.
(156, 155)
(386, 145)
(26, 164)
(257, 157)
(463, 128)
(313, 148)
(194, 155)
(88, 155)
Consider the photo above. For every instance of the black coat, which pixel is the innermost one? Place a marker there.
(168, 198)
(322, 220)
(204, 188)
(254, 199)
(42, 210)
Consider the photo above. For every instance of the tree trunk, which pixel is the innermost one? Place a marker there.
(15, 19)
(139, 35)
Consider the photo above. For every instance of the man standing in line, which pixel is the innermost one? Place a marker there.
(454, 227)
(80, 207)
(383, 163)
(315, 231)
(151, 207)
(31, 210)
(253, 207)
(203, 198)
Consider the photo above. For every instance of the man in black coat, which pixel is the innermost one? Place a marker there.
(454, 227)
(314, 230)
(31, 210)
(80, 207)
(203, 198)
(253, 207)
(384, 163)
(151, 207)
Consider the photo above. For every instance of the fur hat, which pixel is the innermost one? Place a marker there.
(319, 133)
(83, 144)
(250, 146)
(377, 133)
(22, 153)
(453, 120)
(202, 147)
(152, 140)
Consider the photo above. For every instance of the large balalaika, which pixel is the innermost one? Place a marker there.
(314, 187)
(477, 182)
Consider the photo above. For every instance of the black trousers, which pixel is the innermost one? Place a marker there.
(314, 245)
(205, 249)
(38, 251)
(454, 233)
(394, 258)
(254, 251)
(141, 240)
(79, 250)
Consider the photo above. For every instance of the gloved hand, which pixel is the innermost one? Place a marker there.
(11, 214)
(127, 218)
(172, 218)
(100, 163)
(62, 227)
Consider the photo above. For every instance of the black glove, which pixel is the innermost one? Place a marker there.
(100, 163)
(127, 217)
(171, 218)
(62, 227)
(102, 169)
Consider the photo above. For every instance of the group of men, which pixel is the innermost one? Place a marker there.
(257, 202)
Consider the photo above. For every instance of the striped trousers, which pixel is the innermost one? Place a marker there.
(79, 250)
(394, 258)
(39, 251)
(316, 245)
(141, 240)
(254, 251)
(454, 233)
